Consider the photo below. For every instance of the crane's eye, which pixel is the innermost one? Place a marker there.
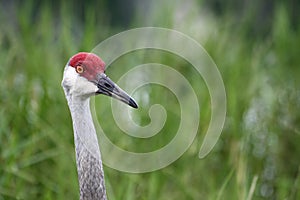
(79, 69)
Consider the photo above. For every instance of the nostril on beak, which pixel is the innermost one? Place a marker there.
(107, 85)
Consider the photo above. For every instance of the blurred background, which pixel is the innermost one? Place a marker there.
(255, 45)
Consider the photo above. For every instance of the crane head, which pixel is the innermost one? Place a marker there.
(84, 76)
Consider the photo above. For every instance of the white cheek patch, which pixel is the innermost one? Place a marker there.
(69, 77)
(84, 87)
(76, 85)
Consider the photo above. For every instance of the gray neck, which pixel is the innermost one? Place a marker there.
(88, 157)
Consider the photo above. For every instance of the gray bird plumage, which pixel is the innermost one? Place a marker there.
(88, 157)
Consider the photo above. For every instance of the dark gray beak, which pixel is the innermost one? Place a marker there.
(109, 88)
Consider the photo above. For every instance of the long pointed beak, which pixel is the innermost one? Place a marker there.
(109, 88)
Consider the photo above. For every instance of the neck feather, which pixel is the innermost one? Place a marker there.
(88, 157)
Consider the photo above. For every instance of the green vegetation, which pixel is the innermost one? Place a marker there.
(257, 156)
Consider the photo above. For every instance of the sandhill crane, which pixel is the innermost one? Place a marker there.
(84, 77)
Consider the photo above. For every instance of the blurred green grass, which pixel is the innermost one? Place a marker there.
(259, 147)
